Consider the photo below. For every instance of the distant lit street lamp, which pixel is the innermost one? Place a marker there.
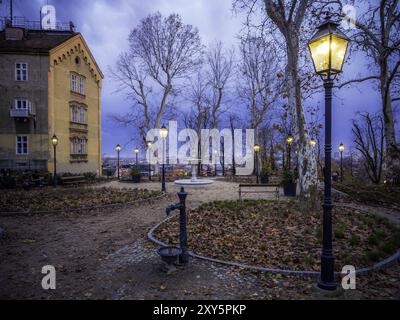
(137, 154)
(54, 141)
(118, 149)
(164, 134)
(149, 147)
(257, 149)
(289, 142)
(328, 49)
(341, 149)
(313, 142)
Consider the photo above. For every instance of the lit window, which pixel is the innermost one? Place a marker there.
(21, 71)
(82, 86)
(74, 82)
(22, 145)
(21, 104)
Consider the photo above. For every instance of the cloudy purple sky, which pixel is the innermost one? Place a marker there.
(106, 24)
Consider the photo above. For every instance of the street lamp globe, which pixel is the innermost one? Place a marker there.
(54, 140)
(118, 148)
(163, 132)
(149, 144)
(289, 140)
(257, 148)
(341, 147)
(328, 48)
(313, 142)
(136, 151)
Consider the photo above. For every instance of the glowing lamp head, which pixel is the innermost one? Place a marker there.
(163, 132)
(341, 147)
(290, 139)
(149, 144)
(328, 48)
(54, 141)
(118, 148)
(313, 142)
(136, 151)
(257, 148)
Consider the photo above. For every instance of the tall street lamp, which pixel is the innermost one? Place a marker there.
(118, 149)
(257, 149)
(149, 144)
(289, 142)
(223, 156)
(164, 134)
(341, 149)
(54, 141)
(137, 154)
(328, 49)
(215, 166)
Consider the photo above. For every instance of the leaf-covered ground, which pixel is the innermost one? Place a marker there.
(50, 199)
(278, 235)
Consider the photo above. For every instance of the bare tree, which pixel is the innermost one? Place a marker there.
(162, 50)
(377, 34)
(369, 140)
(258, 85)
(288, 18)
(219, 71)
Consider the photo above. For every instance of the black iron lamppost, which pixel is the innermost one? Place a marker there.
(341, 149)
(149, 144)
(215, 166)
(54, 141)
(118, 149)
(289, 142)
(223, 156)
(257, 149)
(137, 154)
(328, 49)
(164, 134)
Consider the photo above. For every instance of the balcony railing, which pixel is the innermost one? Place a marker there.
(21, 113)
(21, 22)
(79, 158)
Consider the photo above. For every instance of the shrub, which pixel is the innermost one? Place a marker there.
(288, 177)
(135, 172)
(265, 173)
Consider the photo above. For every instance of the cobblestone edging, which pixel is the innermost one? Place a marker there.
(106, 206)
(360, 272)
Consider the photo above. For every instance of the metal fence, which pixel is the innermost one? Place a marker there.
(21, 22)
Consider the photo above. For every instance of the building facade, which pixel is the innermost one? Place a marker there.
(50, 84)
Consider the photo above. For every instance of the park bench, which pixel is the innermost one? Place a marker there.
(73, 180)
(259, 188)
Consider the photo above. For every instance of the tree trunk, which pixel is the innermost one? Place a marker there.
(307, 168)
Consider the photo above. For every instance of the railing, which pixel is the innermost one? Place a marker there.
(21, 113)
(21, 22)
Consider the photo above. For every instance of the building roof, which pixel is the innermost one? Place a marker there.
(34, 41)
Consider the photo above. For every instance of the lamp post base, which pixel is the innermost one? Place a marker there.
(327, 286)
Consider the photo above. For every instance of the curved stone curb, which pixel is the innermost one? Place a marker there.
(360, 272)
(106, 206)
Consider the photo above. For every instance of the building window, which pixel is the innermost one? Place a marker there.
(78, 114)
(82, 116)
(74, 113)
(21, 104)
(74, 82)
(78, 146)
(82, 86)
(22, 145)
(21, 71)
